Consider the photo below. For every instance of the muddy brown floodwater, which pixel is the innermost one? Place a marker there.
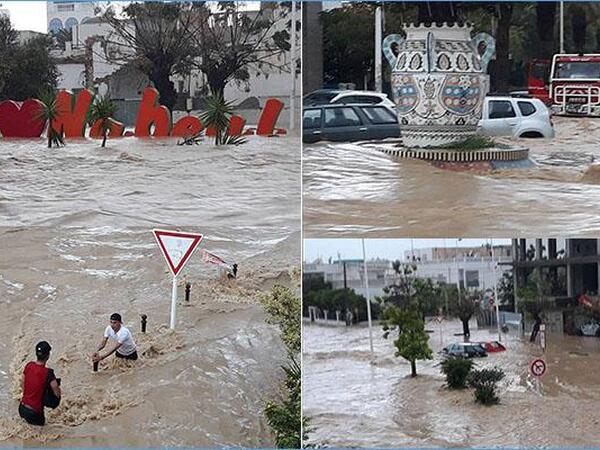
(353, 402)
(76, 246)
(352, 189)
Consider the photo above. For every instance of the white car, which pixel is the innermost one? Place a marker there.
(515, 116)
(347, 97)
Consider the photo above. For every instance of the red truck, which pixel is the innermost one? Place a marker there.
(570, 85)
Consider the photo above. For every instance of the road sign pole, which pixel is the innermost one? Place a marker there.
(173, 303)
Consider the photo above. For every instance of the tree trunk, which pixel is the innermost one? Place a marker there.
(217, 86)
(104, 136)
(545, 17)
(160, 77)
(535, 330)
(413, 368)
(466, 331)
(502, 63)
(579, 27)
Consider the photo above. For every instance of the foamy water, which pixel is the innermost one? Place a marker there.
(352, 189)
(77, 245)
(355, 399)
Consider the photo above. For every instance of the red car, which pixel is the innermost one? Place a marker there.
(493, 346)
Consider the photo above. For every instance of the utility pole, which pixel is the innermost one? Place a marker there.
(378, 41)
(562, 26)
(293, 69)
(368, 297)
(496, 299)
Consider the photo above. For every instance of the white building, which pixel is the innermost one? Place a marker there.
(67, 14)
(4, 12)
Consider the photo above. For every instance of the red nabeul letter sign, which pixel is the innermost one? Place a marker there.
(20, 119)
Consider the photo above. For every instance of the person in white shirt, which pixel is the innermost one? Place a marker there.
(124, 345)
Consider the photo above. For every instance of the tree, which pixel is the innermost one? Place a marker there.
(24, 69)
(506, 291)
(216, 117)
(579, 26)
(48, 113)
(283, 308)
(502, 63)
(534, 300)
(157, 38)
(231, 44)
(412, 341)
(545, 18)
(464, 309)
(103, 110)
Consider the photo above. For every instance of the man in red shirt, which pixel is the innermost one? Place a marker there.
(40, 387)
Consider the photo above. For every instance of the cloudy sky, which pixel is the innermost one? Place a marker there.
(26, 15)
(383, 248)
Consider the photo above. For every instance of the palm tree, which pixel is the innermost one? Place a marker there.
(216, 116)
(49, 113)
(103, 110)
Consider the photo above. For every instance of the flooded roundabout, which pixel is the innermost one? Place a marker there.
(75, 234)
(355, 188)
(355, 399)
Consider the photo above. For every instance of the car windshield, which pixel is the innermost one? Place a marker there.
(577, 70)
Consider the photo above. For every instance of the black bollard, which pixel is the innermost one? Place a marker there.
(96, 366)
(144, 321)
(188, 288)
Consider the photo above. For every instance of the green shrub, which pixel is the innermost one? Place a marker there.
(484, 382)
(456, 370)
(471, 143)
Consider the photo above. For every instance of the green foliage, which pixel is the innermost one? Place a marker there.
(339, 300)
(284, 417)
(412, 342)
(216, 115)
(484, 382)
(456, 370)
(506, 291)
(49, 112)
(25, 68)
(283, 309)
(103, 110)
(409, 291)
(471, 143)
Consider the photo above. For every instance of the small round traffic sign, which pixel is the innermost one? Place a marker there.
(538, 367)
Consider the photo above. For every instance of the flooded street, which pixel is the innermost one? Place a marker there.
(77, 245)
(353, 402)
(352, 189)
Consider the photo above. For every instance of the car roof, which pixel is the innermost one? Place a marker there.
(374, 93)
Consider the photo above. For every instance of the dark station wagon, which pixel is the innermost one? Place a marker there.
(348, 123)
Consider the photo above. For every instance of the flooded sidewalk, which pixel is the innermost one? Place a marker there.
(352, 189)
(355, 399)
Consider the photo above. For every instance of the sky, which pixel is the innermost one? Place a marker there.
(31, 15)
(27, 15)
(391, 249)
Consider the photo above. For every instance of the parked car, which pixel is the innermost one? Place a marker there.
(590, 329)
(348, 123)
(465, 350)
(346, 97)
(517, 117)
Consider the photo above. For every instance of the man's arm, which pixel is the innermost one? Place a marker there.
(99, 357)
(55, 387)
(102, 344)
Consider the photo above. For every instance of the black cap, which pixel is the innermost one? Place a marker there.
(42, 349)
(116, 316)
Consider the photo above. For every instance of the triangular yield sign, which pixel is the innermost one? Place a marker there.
(176, 247)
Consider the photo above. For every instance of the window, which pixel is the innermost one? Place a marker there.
(341, 117)
(67, 7)
(379, 115)
(359, 100)
(318, 98)
(500, 109)
(55, 26)
(70, 23)
(578, 70)
(312, 118)
(526, 108)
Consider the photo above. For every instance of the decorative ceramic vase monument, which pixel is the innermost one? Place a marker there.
(439, 82)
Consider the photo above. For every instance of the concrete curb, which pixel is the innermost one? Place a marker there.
(466, 156)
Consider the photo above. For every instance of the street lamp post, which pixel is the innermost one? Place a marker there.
(368, 296)
(496, 299)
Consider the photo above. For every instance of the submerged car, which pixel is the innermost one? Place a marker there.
(465, 350)
(492, 346)
(348, 123)
(517, 117)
